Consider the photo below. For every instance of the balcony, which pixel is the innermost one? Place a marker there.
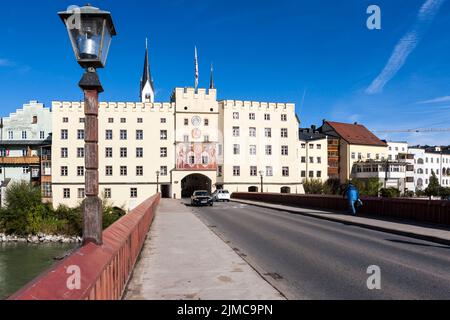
(28, 160)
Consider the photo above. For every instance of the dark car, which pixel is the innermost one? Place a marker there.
(201, 198)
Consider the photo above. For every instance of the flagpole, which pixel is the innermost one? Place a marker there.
(196, 70)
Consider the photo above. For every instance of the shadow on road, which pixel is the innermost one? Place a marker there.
(418, 244)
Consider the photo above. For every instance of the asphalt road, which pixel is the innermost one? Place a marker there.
(309, 258)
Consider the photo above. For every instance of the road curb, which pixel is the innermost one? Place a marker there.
(358, 224)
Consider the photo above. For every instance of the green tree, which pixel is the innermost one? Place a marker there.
(433, 187)
(21, 197)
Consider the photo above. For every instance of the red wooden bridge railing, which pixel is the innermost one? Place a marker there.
(97, 272)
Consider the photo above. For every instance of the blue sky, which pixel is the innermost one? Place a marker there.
(317, 54)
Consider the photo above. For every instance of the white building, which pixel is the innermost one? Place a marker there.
(428, 160)
(398, 151)
(194, 142)
(24, 136)
(313, 154)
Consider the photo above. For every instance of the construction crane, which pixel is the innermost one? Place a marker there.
(414, 130)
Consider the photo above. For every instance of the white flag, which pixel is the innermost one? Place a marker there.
(196, 69)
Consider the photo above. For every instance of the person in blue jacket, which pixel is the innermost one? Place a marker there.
(352, 195)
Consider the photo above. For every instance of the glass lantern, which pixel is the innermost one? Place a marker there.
(90, 31)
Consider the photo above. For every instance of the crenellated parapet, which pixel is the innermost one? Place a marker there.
(111, 107)
(253, 105)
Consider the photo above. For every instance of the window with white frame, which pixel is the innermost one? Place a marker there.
(123, 170)
(109, 171)
(64, 134)
(251, 116)
(163, 152)
(133, 192)
(253, 171)
(107, 193)
(139, 134)
(42, 135)
(64, 152)
(80, 152)
(267, 116)
(236, 149)
(236, 115)
(268, 132)
(236, 171)
(269, 171)
(80, 171)
(123, 134)
(66, 193)
(108, 152)
(284, 132)
(163, 171)
(81, 193)
(10, 135)
(110, 120)
(163, 135)
(252, 132)
(123, 152)
(80, 134)
(236, 131)
(284, 117)
(108, 134)
(139, 171)
(64, 171)
(284, 150)
(252, 149)
(285, 171)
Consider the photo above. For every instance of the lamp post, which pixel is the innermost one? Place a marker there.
(90, 32)
(261, 173)
(157, 181)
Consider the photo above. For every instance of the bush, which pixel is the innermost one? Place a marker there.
(313, 186)
(390, 192)
(333, 186)
(26, 214)
(368, 187)
(444, 193)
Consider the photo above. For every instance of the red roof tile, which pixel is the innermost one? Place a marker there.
(356, 134)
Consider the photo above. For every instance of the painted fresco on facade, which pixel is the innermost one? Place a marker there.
(197, 156)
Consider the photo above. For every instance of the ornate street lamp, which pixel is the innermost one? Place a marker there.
(261, 173)
(158, 173)
(90, 32)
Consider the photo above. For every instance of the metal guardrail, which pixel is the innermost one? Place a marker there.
(433, 211)
(104, 270)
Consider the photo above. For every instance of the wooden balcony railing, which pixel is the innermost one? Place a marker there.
(20, 160)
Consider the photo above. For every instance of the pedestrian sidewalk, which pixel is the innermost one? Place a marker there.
(183, 259)
(410, 230)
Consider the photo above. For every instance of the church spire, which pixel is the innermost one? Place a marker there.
(147, 86)
(211, 80)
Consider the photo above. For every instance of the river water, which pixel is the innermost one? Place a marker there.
(21, 263)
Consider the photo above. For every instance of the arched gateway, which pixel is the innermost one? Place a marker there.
(194, 182)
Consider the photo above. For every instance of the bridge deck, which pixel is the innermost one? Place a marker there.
(183, 259)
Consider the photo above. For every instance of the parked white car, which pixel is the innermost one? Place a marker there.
(221, 195)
